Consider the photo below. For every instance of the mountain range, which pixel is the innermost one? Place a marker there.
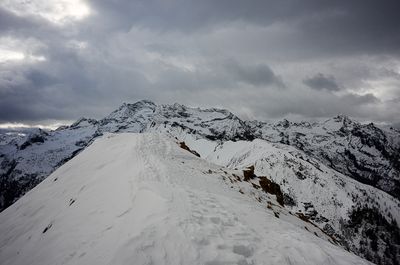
(336, 180)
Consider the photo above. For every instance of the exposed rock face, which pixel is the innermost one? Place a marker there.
(184, 146)
(248, 173)
(272, 188)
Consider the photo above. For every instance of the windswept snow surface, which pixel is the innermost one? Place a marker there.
(140, 199)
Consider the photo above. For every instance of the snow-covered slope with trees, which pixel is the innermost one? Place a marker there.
(140, 199)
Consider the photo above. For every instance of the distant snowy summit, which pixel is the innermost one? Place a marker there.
(339, 174)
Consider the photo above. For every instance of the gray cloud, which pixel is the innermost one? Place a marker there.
(321, 81)
(250, 57)
(334, 26)
(9, 21)
(257, 75)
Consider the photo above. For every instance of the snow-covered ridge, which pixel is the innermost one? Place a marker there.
(140, 198)
(362, 151)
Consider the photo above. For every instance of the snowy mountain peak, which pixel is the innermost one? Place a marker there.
(130, 109)
(35, 136)
(284, 123)
(342, 118)
(83, 122)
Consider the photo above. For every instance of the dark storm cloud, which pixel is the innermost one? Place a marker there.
(24, 26)
(330, 26)
(317, 104)
(8, 20)
(321, 81)
(45, 90)
(249, 56)
(257, 75)
(357, 100)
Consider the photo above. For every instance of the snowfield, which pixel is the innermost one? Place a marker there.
(141, 199)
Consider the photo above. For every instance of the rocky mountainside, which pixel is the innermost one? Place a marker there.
(340, 175)
(364, 152)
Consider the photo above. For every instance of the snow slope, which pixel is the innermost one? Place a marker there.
(305, 180)
(140, 199)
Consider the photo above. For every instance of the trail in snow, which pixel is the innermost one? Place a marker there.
(140, 199)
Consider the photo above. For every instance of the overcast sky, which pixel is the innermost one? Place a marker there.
(60, 60)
